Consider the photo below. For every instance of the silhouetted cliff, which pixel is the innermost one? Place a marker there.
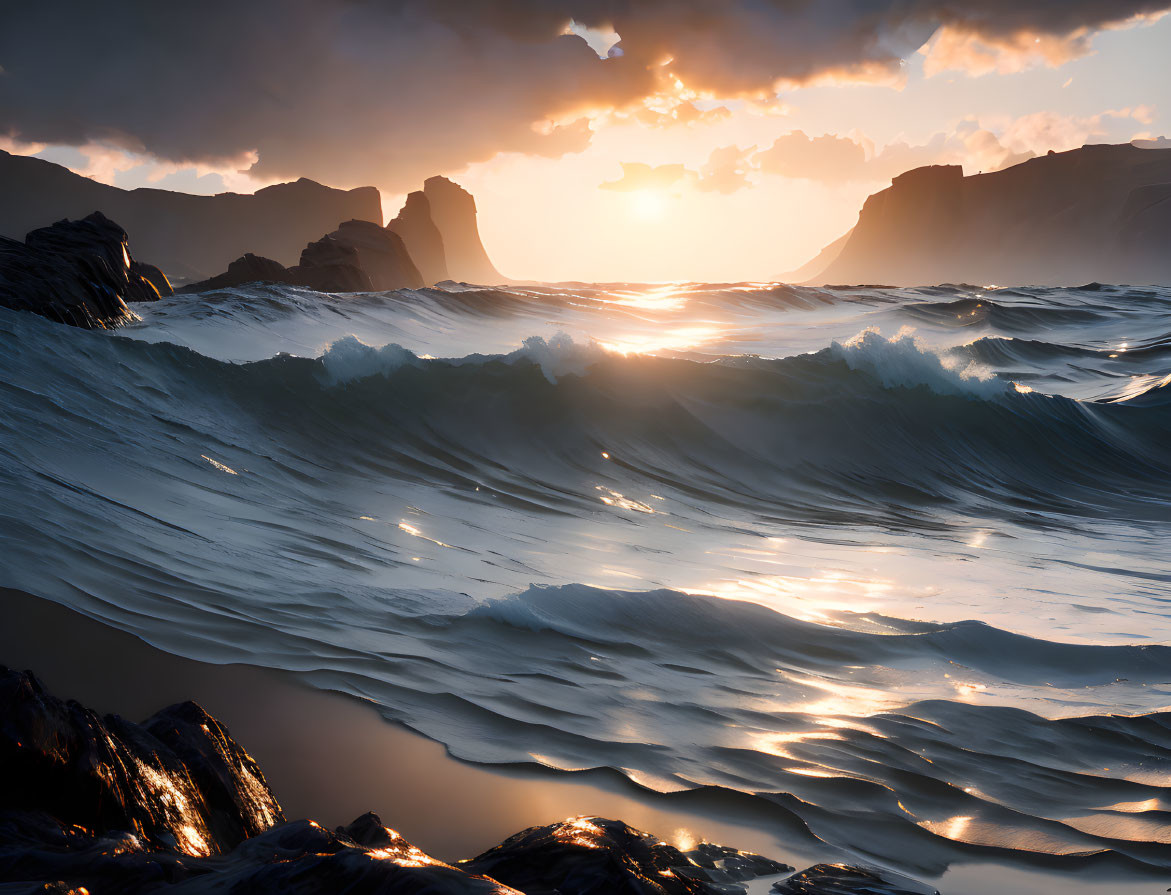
(1096, 213)
(382, 253)
(187, 236)
(359, 256)
(454, 212)
(422, 238)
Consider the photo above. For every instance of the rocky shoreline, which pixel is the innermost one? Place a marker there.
(81, 272)
(100, 804)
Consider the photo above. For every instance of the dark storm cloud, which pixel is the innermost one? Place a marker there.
(355, 91)
(342, 91)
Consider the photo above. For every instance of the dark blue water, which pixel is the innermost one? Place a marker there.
(892, 564)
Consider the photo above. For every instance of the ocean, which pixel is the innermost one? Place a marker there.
(889, 568)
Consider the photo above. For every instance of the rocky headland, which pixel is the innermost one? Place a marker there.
(1099, 213)
(301, 233)
(81, 272)
(453, 210)
(188, 236)
(435, 237)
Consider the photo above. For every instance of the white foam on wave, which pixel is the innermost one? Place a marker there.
(349, 359)
(903, 361)
(559, 355)
(900, 361)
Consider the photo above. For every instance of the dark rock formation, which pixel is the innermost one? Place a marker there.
(727, 864)
(296, 858)
(821, 261)
(327, 265)
(76, 272)
(110, 776)
(79, 291)
(176, 806)
(838, 879)
(97, 235)
(247, 269)
(365, 857)
(1096, 213)
(454, 212)
(382, 254)
(330, 265)
(154, 276)
(187, 236)
(594, 856)
(359, 256)
(232, 785)
(1146, 224)
(422, 238)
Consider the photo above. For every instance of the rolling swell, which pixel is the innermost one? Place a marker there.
(985, 312)
(873, 428)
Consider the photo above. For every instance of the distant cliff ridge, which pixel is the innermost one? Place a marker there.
(412, 251)
(187, 236)
(1096, 213)
(191, 237)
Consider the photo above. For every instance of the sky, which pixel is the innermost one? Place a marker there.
(716, 140)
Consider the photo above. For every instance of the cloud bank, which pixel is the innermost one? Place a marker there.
(833, 159)
(390, 91)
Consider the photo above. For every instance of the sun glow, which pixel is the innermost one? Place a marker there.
(648, 205)
(807, 597)
(662, 298)
(677, 339)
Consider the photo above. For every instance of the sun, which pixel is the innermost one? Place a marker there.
(647, 205)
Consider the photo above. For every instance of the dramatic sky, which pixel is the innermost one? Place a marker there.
(603, 139)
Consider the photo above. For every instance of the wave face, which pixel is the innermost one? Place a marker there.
(888, 566)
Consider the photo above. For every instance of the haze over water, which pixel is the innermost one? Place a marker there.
(891, 562)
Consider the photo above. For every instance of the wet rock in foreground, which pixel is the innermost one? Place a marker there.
(838, 879)
(109, 776)
(594, 856)
(176, 806)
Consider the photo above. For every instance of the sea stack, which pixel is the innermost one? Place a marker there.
(454, 212)
(416, 226)
(381, 253)
(359, 256)
(330, 265)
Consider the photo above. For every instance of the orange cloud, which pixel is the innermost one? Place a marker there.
(966, 48)
(388, 93)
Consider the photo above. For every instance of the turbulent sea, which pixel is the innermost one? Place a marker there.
(889, 569)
